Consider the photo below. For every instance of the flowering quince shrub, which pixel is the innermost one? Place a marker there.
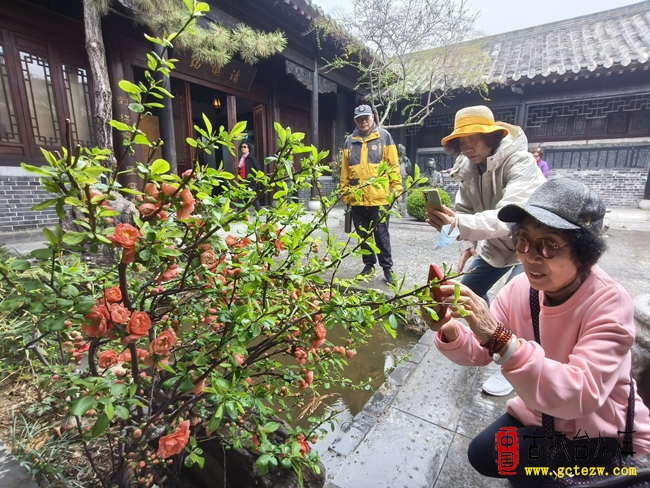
(210, 323)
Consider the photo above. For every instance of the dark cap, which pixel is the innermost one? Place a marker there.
(362, 111)
(560, 203)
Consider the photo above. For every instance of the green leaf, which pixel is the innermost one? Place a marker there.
(456, 292)
(159, 166)
(136, 107)
(262, 463)
(129, 87)
(166, 367)
(100, 425)
(73, 237)
(82, 405)
(42, 254)
(270, 427)
(50, 236)
(19, 265)
(215, 420)
(392, 320)
(186, 384)
(122, 412)
(109, 410)
(239, 128)
(121, 126)
(45, 204)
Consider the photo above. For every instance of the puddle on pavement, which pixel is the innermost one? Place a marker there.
(376, 360)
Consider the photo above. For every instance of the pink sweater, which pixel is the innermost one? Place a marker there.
(581, 375)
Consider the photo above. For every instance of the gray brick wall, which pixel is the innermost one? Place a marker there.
(618, 187)
(17, 196)
(327, 187)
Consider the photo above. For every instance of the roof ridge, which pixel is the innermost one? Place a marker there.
(610, 14)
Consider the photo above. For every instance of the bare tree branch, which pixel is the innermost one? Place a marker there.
(410, 54)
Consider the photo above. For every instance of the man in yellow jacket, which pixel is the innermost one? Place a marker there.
(363, 150)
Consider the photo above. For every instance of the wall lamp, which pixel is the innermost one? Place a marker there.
(517, 90)
(216, 103)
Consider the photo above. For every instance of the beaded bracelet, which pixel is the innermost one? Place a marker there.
(499, 339)
(512, 347)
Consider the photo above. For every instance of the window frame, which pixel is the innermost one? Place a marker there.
(57, 54)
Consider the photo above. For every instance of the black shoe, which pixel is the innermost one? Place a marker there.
(368, 269)
(388, 276)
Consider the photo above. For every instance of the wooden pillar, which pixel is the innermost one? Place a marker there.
(119, 71)
(231, 113)
(314, 112)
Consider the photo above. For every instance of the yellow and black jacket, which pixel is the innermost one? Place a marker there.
(361, 158)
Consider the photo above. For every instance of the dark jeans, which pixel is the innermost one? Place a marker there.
(483, 276)
(368, 217)
(564, 451)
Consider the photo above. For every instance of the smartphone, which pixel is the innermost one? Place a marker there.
(432, 199)
(434, 272)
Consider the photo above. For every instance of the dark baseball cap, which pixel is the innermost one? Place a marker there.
(362, 111)
(560, 203)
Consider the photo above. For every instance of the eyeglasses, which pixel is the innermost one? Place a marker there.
(545, 248)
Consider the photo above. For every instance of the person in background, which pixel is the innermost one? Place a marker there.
(363, 150)
(538, 154)
(562, 334)
(247, 162)
(494, 169)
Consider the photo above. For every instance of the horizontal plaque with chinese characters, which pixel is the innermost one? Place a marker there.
(235, 74)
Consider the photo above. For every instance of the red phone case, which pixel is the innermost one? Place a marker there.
(434, 272)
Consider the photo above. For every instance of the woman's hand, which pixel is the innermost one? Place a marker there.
(446, 324)
(478, 317)
(437, 219)
(464, 257)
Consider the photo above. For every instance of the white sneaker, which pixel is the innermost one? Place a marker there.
(497, 385)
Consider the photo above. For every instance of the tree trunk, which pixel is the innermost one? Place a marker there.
(103, 97)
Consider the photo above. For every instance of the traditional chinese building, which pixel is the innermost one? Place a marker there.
(580, 88)
(45, 79)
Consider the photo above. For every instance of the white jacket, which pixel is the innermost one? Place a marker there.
(512, 176)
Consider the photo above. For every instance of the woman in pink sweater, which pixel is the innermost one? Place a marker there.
(574, 380)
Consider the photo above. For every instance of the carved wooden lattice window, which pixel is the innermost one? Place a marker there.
(506, 114)
(596, 117)
(640, 121)
(8, 123)
(40, 99)
(78, 94)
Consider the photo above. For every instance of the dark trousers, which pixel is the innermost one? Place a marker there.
(483, 451)
(368, 217)
(483, 276)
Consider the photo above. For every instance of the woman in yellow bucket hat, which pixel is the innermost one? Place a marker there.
(493, 169)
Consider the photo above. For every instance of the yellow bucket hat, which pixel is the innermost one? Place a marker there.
(474, 120)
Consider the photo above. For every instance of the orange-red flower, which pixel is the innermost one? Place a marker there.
(113, 294)
(320, 330)
(107, 359)
(119, 314)
(128, 256)
(168, 189)
(185, 211)
(304, 445)
(231, 241)
(169, 274)
(186, 196)
(279, 245)
(162, 345)
(139, 324)
(97, 324)
(174, 443)
(209, 259)
(147, 209)
(124, 236)
(152, 190)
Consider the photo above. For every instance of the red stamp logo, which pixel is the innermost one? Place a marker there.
(507, 450)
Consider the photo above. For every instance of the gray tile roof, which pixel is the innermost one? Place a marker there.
(615, 37)
(612, 39)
